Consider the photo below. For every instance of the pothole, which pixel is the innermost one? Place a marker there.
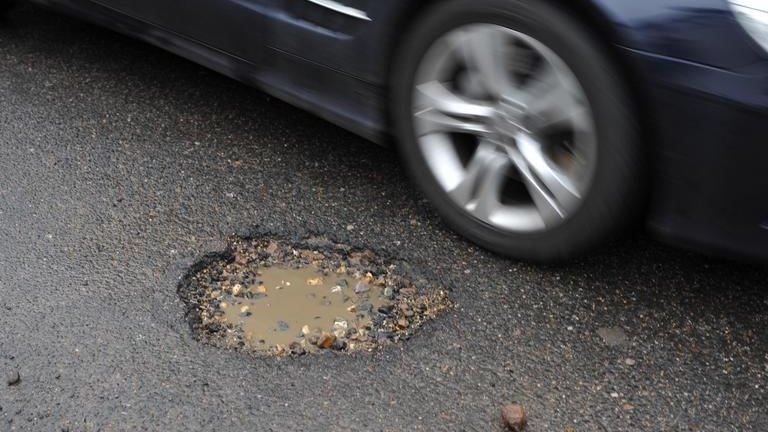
(271, 297)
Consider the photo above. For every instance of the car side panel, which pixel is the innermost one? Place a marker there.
(237, 27)
(700, 31)
(286, 76)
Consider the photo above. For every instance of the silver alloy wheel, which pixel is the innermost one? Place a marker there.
(505, 127)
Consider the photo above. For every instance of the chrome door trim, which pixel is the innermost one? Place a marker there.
(342, 9)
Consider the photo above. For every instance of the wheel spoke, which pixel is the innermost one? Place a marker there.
(558, 106)
(436, 122)
(538, 85)
(488, 195)
(547, 207)
(479, 190)
(550, 98)
(552, 192)
(563, 189)
(487, 52)
(444, 111)
(435, 95)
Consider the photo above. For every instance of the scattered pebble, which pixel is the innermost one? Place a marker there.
(241, 259)
(14, 378)
(326, 340)
(361, 287)
(613, 336)
(514, 417)
(271, 248)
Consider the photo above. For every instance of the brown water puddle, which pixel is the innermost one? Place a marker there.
(287, 305)
(271, 297)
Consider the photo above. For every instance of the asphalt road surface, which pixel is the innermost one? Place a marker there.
(121, 164)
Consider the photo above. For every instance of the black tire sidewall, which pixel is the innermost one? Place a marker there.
(615, 190)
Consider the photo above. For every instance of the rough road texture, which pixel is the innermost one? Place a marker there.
(121, 164)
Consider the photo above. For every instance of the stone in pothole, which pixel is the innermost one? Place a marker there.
(269, 297)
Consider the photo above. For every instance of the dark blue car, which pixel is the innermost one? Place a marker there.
(537, 128)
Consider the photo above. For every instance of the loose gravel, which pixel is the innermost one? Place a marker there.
(387, 304)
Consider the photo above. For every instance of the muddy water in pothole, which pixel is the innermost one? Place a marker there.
(274, 311)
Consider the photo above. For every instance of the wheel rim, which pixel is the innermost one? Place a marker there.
(505, 127)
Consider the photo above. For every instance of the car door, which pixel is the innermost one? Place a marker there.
(312, 53)
(316, 53)
(328, 32)
(232, 26)
(332, 33)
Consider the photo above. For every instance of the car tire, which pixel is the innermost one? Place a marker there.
(615, 195)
